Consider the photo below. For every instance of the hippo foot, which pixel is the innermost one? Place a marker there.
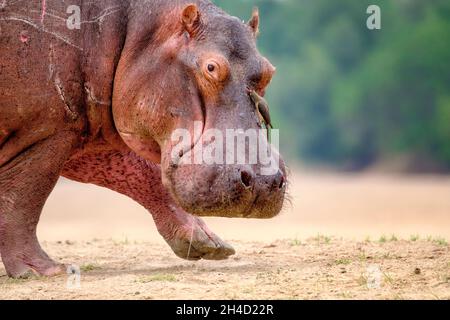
(27, 268)
(194, 241)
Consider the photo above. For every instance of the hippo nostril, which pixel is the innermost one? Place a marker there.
(246, 179)
(279, 181)
(282, 183)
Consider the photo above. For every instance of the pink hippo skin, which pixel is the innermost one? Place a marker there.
(129, 174)
(98, 104)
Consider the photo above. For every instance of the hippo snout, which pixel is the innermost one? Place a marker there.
(269, 192)
(233, 191)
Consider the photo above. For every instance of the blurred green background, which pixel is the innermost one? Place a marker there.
(351, 98)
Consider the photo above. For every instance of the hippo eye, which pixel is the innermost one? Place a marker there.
(212, 68)
(216, 70)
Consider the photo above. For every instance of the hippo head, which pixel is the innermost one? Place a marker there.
(189, 74)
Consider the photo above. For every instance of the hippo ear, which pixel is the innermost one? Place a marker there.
(254, 22)
(191, 19)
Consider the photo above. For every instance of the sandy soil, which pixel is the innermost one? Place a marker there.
(319, 268)
(343, 236)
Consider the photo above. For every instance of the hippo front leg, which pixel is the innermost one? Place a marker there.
(188, 236)
(25, 184)
(128, 174)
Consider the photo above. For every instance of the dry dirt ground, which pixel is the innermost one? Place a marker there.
(319, 268)
(364, 236)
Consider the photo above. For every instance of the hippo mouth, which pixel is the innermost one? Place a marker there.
(196, 139)
(251, 208)
(231, 191)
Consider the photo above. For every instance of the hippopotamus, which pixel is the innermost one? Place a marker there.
(97, 101)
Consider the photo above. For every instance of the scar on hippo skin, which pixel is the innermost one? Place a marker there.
(100, 18)
(43, 11)
(43, 29)
(92, 98)
(59, 85)
(24, 36)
